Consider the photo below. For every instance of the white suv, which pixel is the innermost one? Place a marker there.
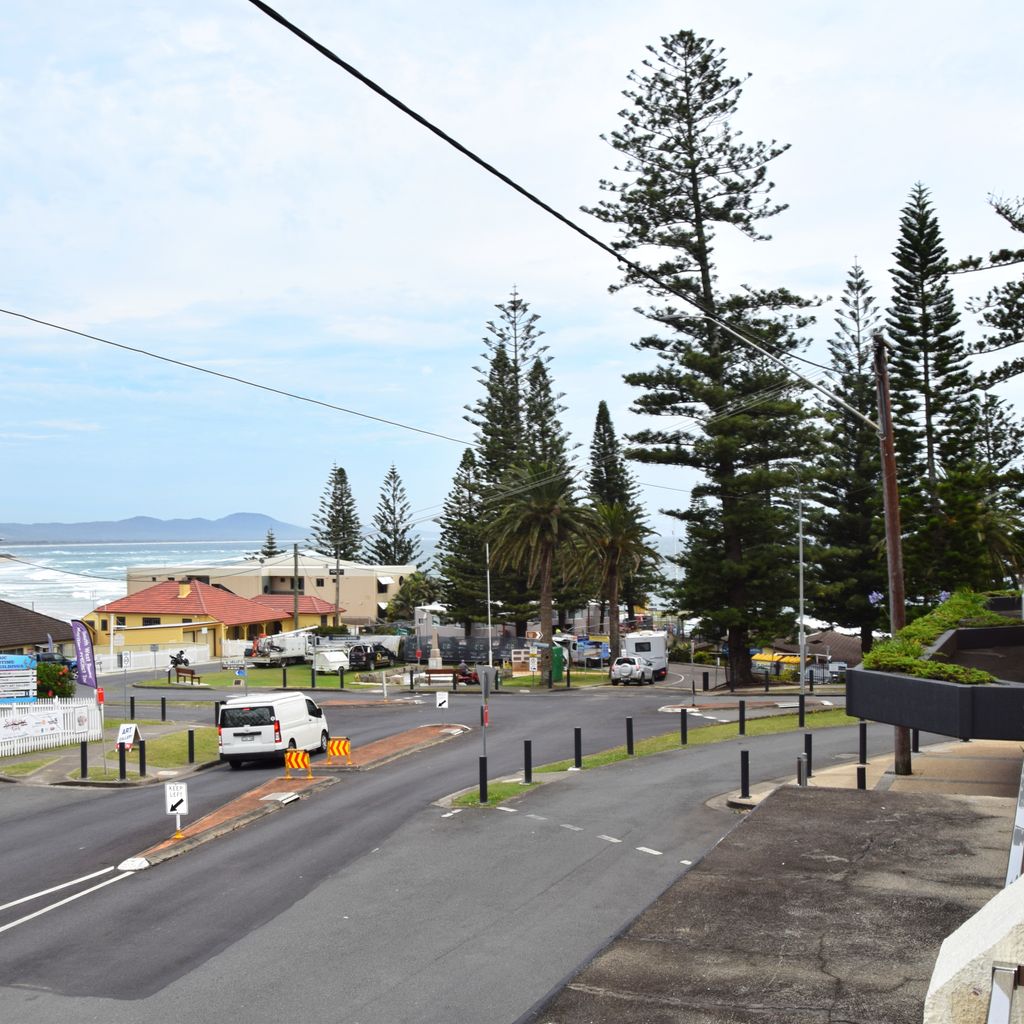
(631, 668)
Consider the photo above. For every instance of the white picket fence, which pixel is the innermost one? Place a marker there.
(55, 723)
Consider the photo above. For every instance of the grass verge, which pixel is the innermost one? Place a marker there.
(16, 768)
(709, 734)
(497, 793)
(171, 751)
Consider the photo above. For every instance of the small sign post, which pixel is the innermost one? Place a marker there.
(442, 700)
(176, 803)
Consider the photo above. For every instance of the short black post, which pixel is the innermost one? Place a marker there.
(168, 677)
(743, 718)
(705, 680)
(766, 682)
(142, 758)
(284, 676)
(191, 746)
(341, 677)
(745, 774)
(683, 716)
(312, 677)
(131, 708)
(83, 750)
(629, 736)
(577, 740)
(862, 754)
(483, 779)
(528, 761)
(810, 679)
(412, 678)
(802, 712)
(807, 752)
(568, 673)
(216, 712)
(862, 776)
(801, 770)
(497, 679)
(163, 709)
(122, 765)
(915, 741)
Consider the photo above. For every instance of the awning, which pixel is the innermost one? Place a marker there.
(385, 580)
(785, 659)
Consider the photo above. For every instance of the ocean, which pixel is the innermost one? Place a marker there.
(68, 580)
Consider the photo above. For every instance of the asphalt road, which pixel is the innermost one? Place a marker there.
(365, 903)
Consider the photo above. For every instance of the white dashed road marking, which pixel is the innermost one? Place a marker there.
(507, 810)
(610, 839)
(647, 849)
(537, 817)
(571, 828)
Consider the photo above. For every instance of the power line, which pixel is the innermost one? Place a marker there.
(637, 268)
(234, 379)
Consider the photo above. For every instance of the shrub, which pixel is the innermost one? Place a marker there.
(54, 681)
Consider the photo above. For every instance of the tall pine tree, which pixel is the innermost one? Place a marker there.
(848, 528)
(685, 175)
(336, 530)
(391, 542)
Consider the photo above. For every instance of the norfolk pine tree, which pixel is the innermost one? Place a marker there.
(390, 543)
(685, 176)
(336, 529)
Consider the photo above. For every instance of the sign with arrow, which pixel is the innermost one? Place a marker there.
(442, 700)
(176, 797)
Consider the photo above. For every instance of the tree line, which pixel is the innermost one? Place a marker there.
(762, 443)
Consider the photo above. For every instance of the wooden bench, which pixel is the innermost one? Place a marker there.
(186, 673)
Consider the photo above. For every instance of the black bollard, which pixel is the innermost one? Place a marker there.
(483, 779)
(191, 746)
(83, 749)
(807, 753)
(528, 761)
(216, 712)
(284, 676)
(122, 765)
(577, 742)
(705, 680)
(745, 774)
(341, 677)
(915, 741)
(743, 718)
(862, 728)
(131, 708)
(312, 678)
(163, 709)
(412, 678)
(862, 776)
(142, 758)
(766, 682)
(802, 713)
(629, 736)
(683, 723)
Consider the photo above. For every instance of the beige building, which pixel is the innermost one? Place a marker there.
(361, 592)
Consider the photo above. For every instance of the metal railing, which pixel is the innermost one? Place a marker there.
(1006, 979)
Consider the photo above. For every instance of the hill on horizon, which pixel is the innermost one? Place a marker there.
(237, 526)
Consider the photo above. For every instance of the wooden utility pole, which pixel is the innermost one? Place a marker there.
(295, 584)
(893, 536)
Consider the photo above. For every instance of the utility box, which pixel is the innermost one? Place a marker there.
(557, 663)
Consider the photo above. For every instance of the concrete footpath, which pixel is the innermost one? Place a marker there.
(826, 904)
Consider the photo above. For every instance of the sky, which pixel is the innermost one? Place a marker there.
(192, 180)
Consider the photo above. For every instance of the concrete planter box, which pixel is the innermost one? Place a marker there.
(991, 712)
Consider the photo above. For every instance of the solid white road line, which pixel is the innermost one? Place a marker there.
(61, 903)
(56, 888)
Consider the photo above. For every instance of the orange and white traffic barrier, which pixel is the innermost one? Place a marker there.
(297, 759)
(340, 747)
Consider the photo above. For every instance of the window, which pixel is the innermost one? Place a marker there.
(319, 581)
(643, 646)
(183, 621)
(120, 620)
(149, 621)
(235, 718)
(103, 625)
(323, 620)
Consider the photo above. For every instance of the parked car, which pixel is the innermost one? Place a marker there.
(363, 656)
(631, 668)
(56, 658)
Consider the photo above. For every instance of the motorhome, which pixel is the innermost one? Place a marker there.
(650, 644)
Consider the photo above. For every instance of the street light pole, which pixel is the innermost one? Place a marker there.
(490, 642)
(803, 640)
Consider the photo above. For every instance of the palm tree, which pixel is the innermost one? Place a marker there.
(619, 540)
(539, 516)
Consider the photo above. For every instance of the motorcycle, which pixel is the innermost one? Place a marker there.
(179, 660)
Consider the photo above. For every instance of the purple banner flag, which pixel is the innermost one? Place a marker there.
(83, 652)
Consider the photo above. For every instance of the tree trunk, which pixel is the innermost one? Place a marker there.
(546, 598)
(613, 615)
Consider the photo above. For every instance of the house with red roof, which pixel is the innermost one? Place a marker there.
(180, 614)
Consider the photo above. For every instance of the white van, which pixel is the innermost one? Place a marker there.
(255, 728)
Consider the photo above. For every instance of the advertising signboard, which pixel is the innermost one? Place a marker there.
(17, 677)
(84, 653)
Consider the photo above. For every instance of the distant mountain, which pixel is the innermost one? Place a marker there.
(238, 526)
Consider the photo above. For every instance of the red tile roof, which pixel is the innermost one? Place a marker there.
(284, 604)
(201, 600)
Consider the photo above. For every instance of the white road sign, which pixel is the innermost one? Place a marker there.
(442, 699)
(176, 797)
(127, 733)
